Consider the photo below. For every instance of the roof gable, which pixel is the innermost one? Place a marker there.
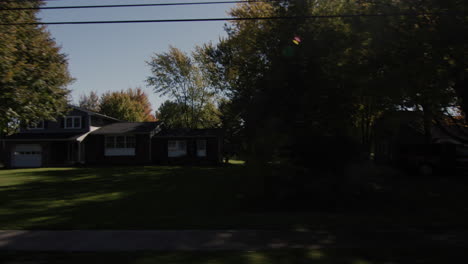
(93, 113)
(128, 128)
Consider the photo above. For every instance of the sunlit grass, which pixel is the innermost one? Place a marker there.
(236, 162)
(20, 176)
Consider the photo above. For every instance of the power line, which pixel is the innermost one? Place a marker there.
(130, 5)
(222, 19)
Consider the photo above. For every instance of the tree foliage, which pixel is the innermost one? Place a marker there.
(294, 81)
(182, 78)
(33, 72)
(130, 105)
(90, 102)
(141, 98)
(173, 115)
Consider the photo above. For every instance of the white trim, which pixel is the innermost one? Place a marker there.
(82, 137)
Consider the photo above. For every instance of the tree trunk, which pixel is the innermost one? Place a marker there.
(461, 87)
(427, 122)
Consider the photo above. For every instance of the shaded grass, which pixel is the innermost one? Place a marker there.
(316, 256)
(231, 197)
(123, 197)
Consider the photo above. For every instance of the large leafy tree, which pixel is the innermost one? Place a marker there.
(130, 105)
(286, 93)
(340, 74)
(181, 77)
(33, 72)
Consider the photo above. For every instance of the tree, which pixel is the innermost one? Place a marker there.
(90, 102)
(174, 116)
(286, 94)
(33, 72)
(180, 76)
(141, 98)
(231, 123)
(130, 105)
(293, 80)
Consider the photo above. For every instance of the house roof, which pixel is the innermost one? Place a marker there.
(127, 127)
(93, 113)
(44, 137)
(184, 132)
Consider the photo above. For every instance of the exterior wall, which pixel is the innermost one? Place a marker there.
(95, 147)
(58, 126)
(213, 151)
(62, 153)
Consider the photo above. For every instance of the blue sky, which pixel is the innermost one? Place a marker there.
(105, 57)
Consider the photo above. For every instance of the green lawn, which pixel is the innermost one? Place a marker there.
(173, 197)
(122, 197)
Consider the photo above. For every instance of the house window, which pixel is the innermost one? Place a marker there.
(72, 122)
(120, 146)
(176, 148)
(37, 125)
(201, 148)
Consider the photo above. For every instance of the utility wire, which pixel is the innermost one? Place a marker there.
(223, 19)
(130, 5)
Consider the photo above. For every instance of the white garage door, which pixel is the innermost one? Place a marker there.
(27, 156)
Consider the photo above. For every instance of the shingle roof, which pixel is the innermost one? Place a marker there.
(127, 127)
(44, 136)
(183, 132)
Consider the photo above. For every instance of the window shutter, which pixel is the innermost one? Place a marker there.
(62, 122)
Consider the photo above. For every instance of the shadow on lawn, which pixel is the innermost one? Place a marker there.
(178, 198)
(123, 197)
(171, 197)
(346, 256)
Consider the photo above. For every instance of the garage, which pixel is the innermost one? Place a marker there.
(27, 156)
